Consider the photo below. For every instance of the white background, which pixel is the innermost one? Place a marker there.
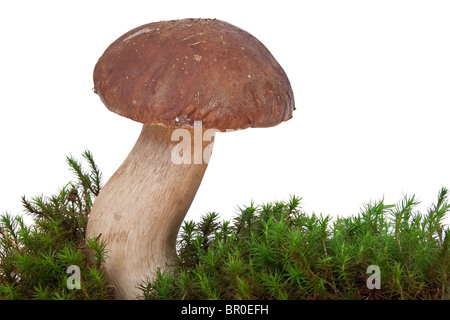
(371, 81)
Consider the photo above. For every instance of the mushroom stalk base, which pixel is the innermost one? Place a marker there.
(140, 209)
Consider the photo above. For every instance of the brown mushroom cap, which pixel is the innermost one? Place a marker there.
(176, 72)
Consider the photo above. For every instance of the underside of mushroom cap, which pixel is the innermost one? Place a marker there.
(174, 73)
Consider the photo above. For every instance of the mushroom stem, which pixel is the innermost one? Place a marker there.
(140, 209)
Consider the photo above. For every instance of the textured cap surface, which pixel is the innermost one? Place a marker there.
(176, 72)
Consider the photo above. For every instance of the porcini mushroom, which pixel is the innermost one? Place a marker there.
(171, 75)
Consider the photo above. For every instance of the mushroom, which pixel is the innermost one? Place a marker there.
(189, 74)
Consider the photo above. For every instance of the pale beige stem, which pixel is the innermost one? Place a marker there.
(140, 209)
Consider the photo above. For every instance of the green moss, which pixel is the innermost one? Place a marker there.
(277, 251)
(34, 260)
(271, 251)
